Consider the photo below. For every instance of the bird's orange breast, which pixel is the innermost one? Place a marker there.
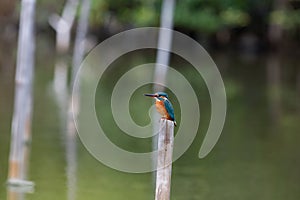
(160, 107)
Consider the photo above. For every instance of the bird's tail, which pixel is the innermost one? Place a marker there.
(175, 123)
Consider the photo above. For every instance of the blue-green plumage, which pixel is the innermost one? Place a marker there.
(169, 108)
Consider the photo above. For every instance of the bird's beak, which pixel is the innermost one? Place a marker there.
(150, 95)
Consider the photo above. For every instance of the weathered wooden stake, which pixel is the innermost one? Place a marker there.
(164, 160)
(21, 123)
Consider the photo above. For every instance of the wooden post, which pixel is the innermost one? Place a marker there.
(21, 122)
(164, 160)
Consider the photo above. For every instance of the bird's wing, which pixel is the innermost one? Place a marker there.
(169, 109)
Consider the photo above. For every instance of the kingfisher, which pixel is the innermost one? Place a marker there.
(163, 106)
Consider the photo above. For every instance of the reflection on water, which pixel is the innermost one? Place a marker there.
(15, 195)
(18, 192)
(71, 157)
(67, 129)
(248, 162)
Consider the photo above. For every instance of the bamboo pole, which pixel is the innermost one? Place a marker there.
(21, 122)
(164, 160)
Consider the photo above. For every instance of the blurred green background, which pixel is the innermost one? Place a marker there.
(257, 156)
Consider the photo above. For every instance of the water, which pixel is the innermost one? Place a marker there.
(257, 156)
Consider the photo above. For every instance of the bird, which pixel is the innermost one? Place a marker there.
(163, 106)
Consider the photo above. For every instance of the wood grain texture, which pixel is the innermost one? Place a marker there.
(164, 160)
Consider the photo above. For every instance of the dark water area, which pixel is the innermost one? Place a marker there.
(256, 157)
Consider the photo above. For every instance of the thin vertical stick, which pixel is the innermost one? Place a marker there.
(62, 26)
(79, 52)
(21, 123)
(78, 56)
(81, 32)
(164, 43)
(164, 160)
